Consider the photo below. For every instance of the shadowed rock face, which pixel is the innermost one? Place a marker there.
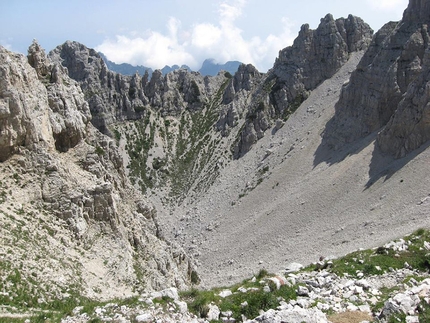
(389, 88)
(315, 56)
(417, 11)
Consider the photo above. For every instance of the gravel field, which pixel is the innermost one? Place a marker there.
(291, 199)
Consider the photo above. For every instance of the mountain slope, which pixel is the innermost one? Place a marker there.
(246, 171)
(71, 223)
(178, 131)
(276, 207)
(388, 91)
(295, 198)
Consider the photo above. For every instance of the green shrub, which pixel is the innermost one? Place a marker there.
(100, 151)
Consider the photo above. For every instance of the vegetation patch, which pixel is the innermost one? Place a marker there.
(413, 251)
(248, 298)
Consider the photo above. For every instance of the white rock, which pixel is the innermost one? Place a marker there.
(363, 283)
(293, 267)
(147, 317)
(412, 319)
(183, 307)
(227, 313)
(302, 291)
(213, 313)
(351, 307)
(303, 302)
(171, 292)
(156, 295)
(323, 306)
(296, 315)
(225, 293)
(406, 303)
(365, 308)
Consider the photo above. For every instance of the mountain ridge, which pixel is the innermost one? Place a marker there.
(172, 171)
(209, 67)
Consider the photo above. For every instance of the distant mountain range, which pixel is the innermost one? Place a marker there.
(209, 67)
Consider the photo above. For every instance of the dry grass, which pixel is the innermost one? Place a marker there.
(350, 317)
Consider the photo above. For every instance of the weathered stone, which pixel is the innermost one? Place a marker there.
(44, 117)
(225, 293)
(314, 57)
(389, 90)
(213, 313)
(293, 267)
(144, 318)
(302, 291)
(296, 315)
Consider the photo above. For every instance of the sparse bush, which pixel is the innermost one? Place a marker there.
(100, 151)
(117, 134)
(194, 277)
(262, 273)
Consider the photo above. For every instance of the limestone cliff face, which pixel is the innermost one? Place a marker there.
(175, 128)
(315, 56)
(388, 89)
(64, 173)
(114, 97)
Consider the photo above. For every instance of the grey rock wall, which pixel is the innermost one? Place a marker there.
(387, 92)
(77, 179)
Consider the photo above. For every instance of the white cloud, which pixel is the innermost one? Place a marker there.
(222, 41)
(205, 35)
(229, 13)
(154, 50)
(388, 5)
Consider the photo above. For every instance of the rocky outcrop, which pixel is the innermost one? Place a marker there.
(70, 112)
(114, 97)
(174, 113)
(258, 99)
(70, 177)
(49, 110)
(388, 89)
(315, 56)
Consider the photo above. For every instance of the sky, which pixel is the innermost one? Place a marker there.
(156, 33)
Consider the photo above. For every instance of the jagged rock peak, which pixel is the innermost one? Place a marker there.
(243, 77)
(417, 11)
(37, 59)
(387, 92)
(315, 56)
(35, 106)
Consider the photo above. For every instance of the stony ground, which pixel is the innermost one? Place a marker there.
(291, 199)
(367, 285)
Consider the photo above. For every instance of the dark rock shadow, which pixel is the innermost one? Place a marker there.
(381, 165)
(326, 153)
(384, 166)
